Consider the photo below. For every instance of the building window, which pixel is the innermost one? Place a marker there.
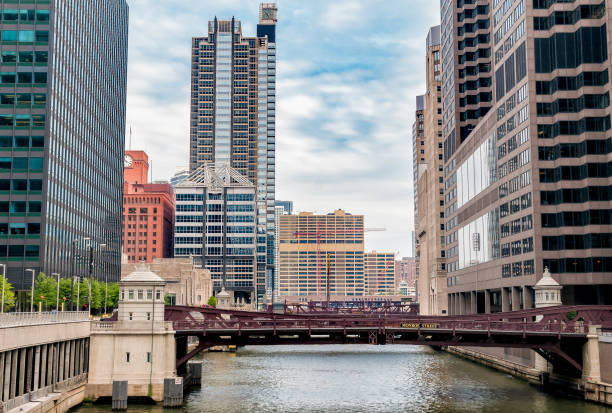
(149, 295)
(140, 295)
(127, 357)
(148, 357)
(158, 295)
(149, 316)
(131, 294)
(131, 316)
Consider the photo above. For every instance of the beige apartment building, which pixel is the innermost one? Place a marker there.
(379, 270)
(305, 241)
(430, 253)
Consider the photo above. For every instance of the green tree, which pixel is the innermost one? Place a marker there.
(113, 296)
(212, 301)
(9, 295)
(46, 287)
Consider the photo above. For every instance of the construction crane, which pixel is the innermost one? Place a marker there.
(319, 234)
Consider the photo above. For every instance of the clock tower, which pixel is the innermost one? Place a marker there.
(135, 167)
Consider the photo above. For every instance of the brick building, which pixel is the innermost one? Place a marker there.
(148, 212)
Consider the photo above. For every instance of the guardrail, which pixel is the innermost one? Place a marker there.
(29, 319)
(421, 323)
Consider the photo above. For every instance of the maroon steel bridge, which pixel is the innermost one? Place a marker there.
(556, 333)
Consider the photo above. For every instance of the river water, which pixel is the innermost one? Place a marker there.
(358, 378)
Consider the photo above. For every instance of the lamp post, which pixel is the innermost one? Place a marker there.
(74, 242)
(103, 246)
(3, 284)
(88, 240)
(58, 286)
(32, 296)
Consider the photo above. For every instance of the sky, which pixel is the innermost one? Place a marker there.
(348, 72)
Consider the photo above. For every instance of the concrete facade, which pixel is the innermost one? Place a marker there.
(43, 365)
(430, 189)
(138, 348)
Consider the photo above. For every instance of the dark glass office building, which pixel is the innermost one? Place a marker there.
(62, 126)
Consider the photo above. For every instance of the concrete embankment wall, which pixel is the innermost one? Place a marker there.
(498, 359)
(54, 402)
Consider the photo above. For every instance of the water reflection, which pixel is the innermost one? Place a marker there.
(359, 379)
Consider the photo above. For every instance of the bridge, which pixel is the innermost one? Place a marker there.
(558, 334)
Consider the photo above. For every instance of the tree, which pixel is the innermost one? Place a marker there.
(212, 301)
(113, 296)
(46, 287)
(9, 295)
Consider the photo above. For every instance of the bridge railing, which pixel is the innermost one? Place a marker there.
(29, 319)
(384, 323)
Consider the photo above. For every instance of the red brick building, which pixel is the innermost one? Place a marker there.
(148, 212)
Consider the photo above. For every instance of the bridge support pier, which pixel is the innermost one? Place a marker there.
(591, 369)
(487, 301)
(474, 302)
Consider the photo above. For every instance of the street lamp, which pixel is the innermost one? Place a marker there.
(32, 296)
(103, 246)
(74, 243)
(3, 284)
(58, 286)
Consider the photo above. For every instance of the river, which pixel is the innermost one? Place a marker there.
(358, 378)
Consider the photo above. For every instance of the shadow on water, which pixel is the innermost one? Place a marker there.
(358, 378)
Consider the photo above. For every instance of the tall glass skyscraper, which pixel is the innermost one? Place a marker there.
(62, 127)
(233, 98)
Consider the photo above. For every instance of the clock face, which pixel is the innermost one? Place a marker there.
(268, 14)
(127, 161)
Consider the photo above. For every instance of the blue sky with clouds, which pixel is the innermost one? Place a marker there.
(347, 75)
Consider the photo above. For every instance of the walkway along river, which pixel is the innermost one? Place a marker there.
(358, 378)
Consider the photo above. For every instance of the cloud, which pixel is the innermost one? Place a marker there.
(348, 74)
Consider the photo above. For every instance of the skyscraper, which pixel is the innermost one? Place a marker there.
(429, 189)
(62, 127)
(529, 186)
(233, 116)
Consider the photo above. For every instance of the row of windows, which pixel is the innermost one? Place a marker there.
(18, 228)
(25, 16)
(22, 142)
(579, 265)
(576, 173)
(517, 269)
(21, 185)
(19, 251)
(570, 50)
(576, 242)
(22, 121)
(565, 105)
(577, 127)
(25, 36)
(515, 205)
(576, 195)
(23, 78)
(589, 11)
(25, 57)
(516, 226)
(517, 247)
(577, 218)
(565, 83)
(509, 74)
(575, 150)
(23, 99)
(21, 163)
(20, 207)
